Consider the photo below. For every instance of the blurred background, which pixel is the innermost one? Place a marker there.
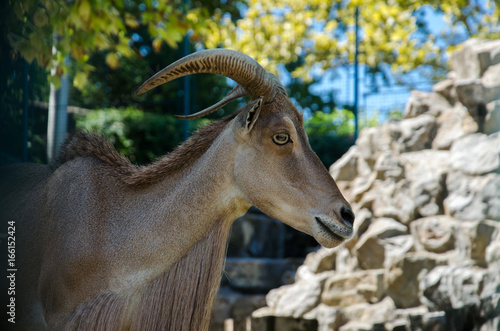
(339, 60)
(350, 67)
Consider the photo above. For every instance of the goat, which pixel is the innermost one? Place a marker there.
(106, 245)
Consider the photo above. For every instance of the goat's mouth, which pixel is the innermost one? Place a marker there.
(332, 231)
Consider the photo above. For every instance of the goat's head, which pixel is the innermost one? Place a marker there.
(275, 168)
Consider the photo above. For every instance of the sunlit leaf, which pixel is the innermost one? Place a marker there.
(157, 42)
(84, 10)
(131, 21)
(75, 18)
(80, 80)
(112, 60)
(101, 41)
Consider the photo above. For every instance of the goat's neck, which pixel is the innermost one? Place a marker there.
(181, 210)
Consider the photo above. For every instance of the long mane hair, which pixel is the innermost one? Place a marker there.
(179, 299)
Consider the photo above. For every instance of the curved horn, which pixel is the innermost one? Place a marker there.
(252, 78)
(235, 93)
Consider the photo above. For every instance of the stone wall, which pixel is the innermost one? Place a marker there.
(426, 192)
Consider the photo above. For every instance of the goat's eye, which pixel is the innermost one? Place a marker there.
(281, 138)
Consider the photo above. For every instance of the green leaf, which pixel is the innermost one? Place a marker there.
(112, 60)
(55, 80)
(84, 10)
(80, 80)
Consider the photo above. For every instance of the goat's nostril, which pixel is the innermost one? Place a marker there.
(347, 215)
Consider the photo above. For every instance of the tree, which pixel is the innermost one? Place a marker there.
(311, 38)
(60, 34)
(50, 30)
(107, 87)
(396, 37)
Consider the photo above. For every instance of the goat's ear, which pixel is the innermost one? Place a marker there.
(251, 114)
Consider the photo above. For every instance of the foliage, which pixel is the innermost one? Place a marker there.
(141, 136)
(107, 87)
(52, 30)
(330, 134)
(395, 35)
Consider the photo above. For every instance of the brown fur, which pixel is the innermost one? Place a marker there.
(83, 144)
(180, 299)
(186, 292)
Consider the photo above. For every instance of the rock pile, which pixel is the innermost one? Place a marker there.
(426, 192)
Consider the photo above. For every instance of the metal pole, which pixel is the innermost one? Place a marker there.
(58, 115)
(25, 112)
(356, 76)
(187, 97)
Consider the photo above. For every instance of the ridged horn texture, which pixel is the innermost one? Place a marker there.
(252, 79)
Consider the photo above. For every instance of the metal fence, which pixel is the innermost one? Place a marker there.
(387, 101)
(378, 100)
